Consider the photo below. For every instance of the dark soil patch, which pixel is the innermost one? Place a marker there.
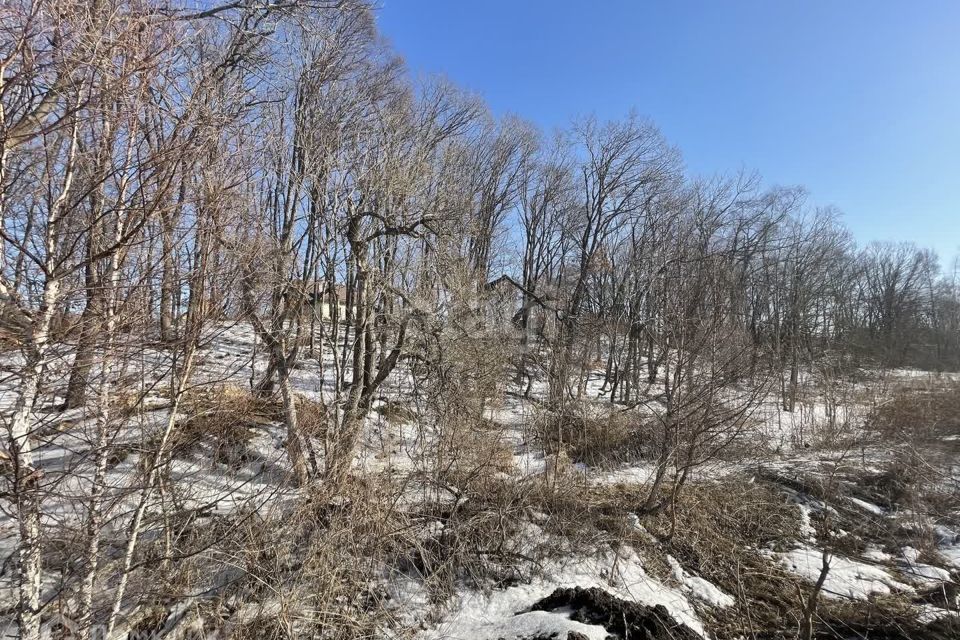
(622, 619)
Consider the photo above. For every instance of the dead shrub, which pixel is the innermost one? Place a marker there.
(884, 618)
(604, 440)
(717, 522)
(581, 513)
(479, 539)
(918, 414)
(894, 487)
(223, 419)
(716, 530)
(497, 527)
(312, 417)
(396, 412)
(475, 451)
(321, 569)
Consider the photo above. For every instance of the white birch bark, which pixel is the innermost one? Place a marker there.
(94, 523)
(136, 524)
(27, 476)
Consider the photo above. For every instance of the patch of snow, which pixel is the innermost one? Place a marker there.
(949, 545)
(700, 588)
(638, 475)
(919, 572)
(846, 579)
(530, 463)
(869, 507)
(539, 624)
(928, 613)
(807, 505)
(875, 554)
(479, 616)
(643, 474)
(806, 527)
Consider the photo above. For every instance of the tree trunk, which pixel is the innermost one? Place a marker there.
(296, 448)
(167, 279)
(83, 359)
(26, 477)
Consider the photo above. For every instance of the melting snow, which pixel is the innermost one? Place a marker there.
(846, 579)
(868, 506)
(478, 616)
(949, 542)
(920, 572)
(699, 588)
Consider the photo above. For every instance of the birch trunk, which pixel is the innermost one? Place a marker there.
(94, 522)
(136, 524)
(27, 477)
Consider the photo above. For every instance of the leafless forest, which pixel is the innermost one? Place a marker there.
(294, 344)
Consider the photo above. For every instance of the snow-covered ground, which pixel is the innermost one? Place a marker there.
(846, 578)
(504, 613)
(258, 480)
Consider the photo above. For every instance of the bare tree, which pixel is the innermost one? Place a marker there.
(623, 168)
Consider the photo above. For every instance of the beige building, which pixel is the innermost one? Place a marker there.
(328, 307)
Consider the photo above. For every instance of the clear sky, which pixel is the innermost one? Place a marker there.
(857, 100)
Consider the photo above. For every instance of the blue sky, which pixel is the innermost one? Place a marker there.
(857, 100)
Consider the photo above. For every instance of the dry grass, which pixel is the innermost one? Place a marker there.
(225, 418)
(396, 412)
(319, 567)
(222, 419)
(610, 439)
(717, 532)
(920, 412)
(312, 417)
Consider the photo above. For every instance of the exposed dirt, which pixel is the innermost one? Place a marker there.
(622, 619)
